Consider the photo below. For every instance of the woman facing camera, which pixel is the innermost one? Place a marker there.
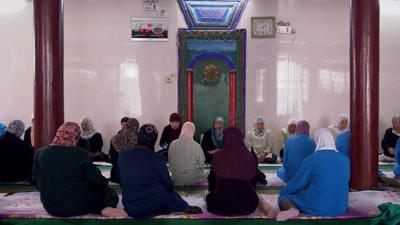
(147, 188)
(186, 158)
(341, 125)
(259, 138)
(91, 140)
(68, 182)
(232, 192)
(320, 187)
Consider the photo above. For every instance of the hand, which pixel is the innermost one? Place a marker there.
(262, 158)
(392, 151)
(214, 151)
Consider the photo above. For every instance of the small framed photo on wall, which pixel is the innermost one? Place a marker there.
(263, 27)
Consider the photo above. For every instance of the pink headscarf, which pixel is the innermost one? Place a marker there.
(67, 135)
(188, 130)
(234, 161)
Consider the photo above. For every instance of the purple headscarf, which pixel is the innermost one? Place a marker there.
(234, 161)
(303, 127)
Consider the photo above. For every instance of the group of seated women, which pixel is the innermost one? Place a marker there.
(316, 170)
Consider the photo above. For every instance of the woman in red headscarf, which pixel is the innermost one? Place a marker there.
(231, 190)
(68, 182)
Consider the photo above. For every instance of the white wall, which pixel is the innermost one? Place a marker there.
(107, 76)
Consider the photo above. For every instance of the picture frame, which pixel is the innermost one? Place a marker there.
(149, 29)
(263, 27)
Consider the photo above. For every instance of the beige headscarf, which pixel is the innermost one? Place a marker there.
(127, 138)
(188, 130)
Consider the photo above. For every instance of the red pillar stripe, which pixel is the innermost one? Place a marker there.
(190, 95)
(364, 92)
(232, 98)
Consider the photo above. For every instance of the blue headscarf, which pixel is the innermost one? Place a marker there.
(3, 129)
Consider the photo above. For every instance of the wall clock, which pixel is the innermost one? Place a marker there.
(263, 27)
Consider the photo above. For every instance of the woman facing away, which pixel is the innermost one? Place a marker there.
(231, 191)
(296, 150)
(321, 186)
(126, 139)
(147, 188)
(91, 140)
(186, 157)
(259, 138)
(68, 182)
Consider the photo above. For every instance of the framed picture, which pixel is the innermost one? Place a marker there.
(263, 27)
(149, 29)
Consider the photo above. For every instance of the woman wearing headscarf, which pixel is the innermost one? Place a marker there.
(186, 157)
(259, 139)
(231, 190)
(91, 140)
(341, 125)
(296, 150)
(287, 132)
(212, 139)
(390, 139)
(170, 133)
(68, 182)
(343, 143)
(321, 186)
(16, 157)
(147, 188)
(126, 139)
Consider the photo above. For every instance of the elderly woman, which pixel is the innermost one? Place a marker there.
(296, 150)
(186, 158)
(320, 187)
(231, 190)
(126, 139)
(259, 139)
(390, 139)
(16, 157)
(68, 182)
(91, 140)
(212, 139)
(147, 188)
(341, 125)
(286, 133)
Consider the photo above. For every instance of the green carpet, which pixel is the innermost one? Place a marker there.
(184, 222)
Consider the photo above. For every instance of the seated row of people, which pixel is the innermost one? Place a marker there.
(70, 184)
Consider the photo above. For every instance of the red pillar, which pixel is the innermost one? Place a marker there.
(364, 86)
(232, 98)
(49, 66)
(190, 95)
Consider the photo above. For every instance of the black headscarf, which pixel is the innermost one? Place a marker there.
(148, 135)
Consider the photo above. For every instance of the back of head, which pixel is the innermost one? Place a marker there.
(16, 127)
(303, 127)
(147, 135)
(324, 139)
(233, 138)
(133, 124)
(188, 130)
(67, 135)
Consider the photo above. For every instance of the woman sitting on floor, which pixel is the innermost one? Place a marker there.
(16, 157)
(231, 190)
(212, 139)
(389, 140)
(343, 143)
(147, 188)
(286, 133)
(259, 139)
(321, 186)
(91, 140)
(170, 133)
(341, 125)
(126, 139)
(296, 150)
(186, 158)
(68, 182)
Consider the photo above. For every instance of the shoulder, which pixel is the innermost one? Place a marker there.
(389, 131)
(97, 135)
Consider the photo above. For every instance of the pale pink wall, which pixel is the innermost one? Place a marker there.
(107, 76)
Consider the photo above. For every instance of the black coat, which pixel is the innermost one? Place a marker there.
(389, 141)
(207, 144)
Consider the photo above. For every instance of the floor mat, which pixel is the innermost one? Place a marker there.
(362, 204)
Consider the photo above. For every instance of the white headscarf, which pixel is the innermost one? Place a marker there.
(290, 122)
(340, 118)
(256, 132)
(91, 131)
(394, 118)
(324, 139)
